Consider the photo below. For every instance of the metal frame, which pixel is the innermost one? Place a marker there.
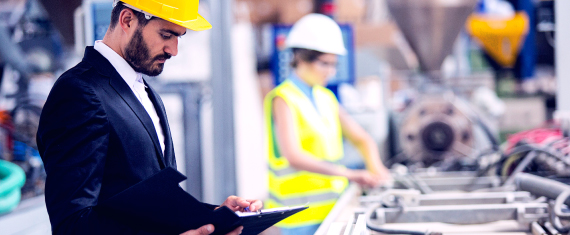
(224, 175)
(562, 51)
(444, 199)
(524, 213)
(445, 181)
(536, 229)
(407, 206)
(344, 200)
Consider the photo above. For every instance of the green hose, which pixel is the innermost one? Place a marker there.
(12, 178)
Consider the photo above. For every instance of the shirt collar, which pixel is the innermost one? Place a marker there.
(302, 85)
(119, 63)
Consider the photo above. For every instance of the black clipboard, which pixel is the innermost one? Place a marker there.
(159, 205)
(257, 223)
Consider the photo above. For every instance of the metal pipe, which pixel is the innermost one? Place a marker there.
(377, 228)
(541, 186)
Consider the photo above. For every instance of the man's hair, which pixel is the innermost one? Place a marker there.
(117, 12)
(306, 55)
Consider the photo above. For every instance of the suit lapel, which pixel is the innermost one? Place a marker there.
(118, 83)
(161, 112)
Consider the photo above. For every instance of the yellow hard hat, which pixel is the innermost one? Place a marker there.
(180, 12)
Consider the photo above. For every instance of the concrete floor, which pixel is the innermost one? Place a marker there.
(29, 218)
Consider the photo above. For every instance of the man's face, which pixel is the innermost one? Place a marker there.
(151, 45)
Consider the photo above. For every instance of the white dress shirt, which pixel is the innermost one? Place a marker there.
(135, 81)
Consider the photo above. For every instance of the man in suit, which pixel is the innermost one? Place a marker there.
(104, 129)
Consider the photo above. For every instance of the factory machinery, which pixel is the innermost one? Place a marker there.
(450, 176)
(523, 189)
(498, 198)
(438, 126)
(453, 203)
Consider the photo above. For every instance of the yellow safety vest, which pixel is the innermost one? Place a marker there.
(320, 135)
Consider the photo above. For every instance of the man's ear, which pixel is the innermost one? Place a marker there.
(127, 20)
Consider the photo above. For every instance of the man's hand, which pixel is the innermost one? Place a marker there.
(239, 204)
(208, 229)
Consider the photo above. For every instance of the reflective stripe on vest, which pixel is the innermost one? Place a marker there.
(320, 136)
(284, 172)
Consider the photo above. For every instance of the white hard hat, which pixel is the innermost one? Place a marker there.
(316, 32)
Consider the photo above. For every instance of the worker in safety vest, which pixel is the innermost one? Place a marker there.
(305, 127)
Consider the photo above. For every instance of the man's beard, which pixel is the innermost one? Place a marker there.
(137, 55)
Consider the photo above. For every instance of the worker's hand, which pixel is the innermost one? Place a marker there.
(204, 230)
(239, 204)
(209, 229)
(383, 174)
(364, 178)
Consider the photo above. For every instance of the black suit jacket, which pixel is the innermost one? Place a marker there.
(96, 140)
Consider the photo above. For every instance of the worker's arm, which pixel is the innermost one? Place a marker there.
(301, 160)
(73, 141)
(364, 143)
(73, 137)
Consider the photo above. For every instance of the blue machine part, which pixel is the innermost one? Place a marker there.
(20, 151)
(526, 61)
(281, 59)
(101, 12)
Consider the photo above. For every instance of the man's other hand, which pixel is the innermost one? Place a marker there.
(208, 229)
(239, 204)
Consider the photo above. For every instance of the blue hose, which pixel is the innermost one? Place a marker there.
(12, 178)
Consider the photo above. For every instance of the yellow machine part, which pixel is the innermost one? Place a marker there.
(502, 38)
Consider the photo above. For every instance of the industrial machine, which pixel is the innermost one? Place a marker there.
(438, 126)
(531, 205)
(450, 176)
(496, 199)
(522, 189)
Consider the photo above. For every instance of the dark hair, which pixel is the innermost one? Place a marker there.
(117, 12)
(300, 54)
